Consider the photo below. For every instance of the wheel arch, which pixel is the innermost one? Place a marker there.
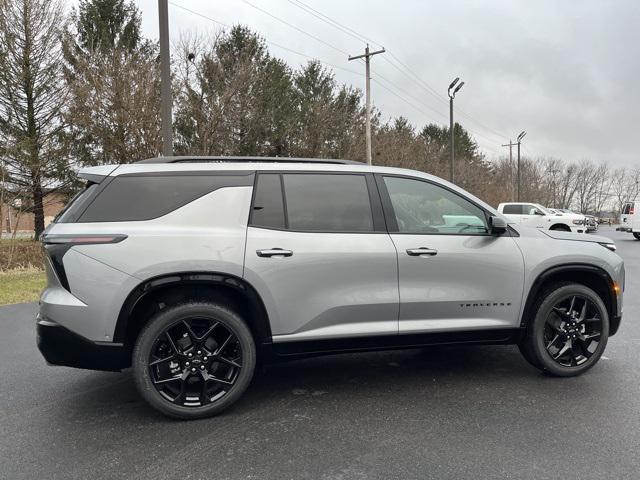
(158, 292)
(560, 226)
(591, 276)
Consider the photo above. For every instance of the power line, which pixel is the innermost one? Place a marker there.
(334, 23)
(268, 41)
(318, 39)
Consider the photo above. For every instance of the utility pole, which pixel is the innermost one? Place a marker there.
(520, 137)
(165, 80)
(367, 73)
(452, 94)
(510, 145)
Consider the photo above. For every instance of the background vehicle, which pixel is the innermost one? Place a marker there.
(192, 269)
(535, 215)
(591, 223)
(629, 219)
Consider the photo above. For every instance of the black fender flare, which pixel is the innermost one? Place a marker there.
(611, 301)
(240, 285)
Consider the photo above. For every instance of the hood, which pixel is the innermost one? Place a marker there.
(578, 237)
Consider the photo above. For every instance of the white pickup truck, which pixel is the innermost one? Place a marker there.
(535, 215)
(630, 219)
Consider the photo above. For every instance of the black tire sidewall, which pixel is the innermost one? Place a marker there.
(538, 348)
(172, 315)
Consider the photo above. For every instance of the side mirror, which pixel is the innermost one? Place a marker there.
(497, 225)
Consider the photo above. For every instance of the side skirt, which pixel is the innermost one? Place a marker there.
(501, 336)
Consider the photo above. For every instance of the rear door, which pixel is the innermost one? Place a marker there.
(453, 274)
(320, 257)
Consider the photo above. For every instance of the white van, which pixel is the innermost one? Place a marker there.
(629, 219)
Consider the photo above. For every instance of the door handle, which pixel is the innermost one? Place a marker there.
(418, 252)
(274, 252)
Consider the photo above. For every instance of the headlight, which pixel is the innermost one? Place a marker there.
(610, 246)
(577, 222)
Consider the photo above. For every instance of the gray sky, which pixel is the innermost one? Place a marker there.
(563, 70)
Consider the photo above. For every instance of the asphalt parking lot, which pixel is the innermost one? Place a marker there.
(472, 412)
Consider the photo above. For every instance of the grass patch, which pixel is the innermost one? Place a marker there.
(19, 286)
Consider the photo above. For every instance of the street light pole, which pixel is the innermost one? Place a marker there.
(520, 137)
(452, 94)
(165, 80)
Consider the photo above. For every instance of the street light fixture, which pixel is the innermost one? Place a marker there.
(451, 91)
(520, 137)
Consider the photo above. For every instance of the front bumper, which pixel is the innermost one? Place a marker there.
(60, 346)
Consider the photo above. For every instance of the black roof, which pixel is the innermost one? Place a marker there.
(220, 159)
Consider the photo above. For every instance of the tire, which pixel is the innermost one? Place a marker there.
(565, 338)
(560, 227)
(636, 235)
(186, 375)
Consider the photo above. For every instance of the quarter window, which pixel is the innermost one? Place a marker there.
(145, 197)
(327, 202)
(422, 207)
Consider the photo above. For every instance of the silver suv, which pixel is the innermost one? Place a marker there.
(191, 270)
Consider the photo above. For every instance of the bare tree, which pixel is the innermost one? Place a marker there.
(31, 96)
(619, 188)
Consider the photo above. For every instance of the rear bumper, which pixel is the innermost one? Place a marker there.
(60, 346)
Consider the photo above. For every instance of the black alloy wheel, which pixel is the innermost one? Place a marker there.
(573, 330)
(568, 332)
(194, 360)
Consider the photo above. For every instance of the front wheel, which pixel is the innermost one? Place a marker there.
(569, 332)
(193, 360)
(637, 235)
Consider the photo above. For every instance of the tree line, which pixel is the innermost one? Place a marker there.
(84, 89)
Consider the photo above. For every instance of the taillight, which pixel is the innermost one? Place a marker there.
(70, 240)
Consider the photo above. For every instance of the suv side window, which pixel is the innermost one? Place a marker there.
(423, 207)
(513, 210)
(268, 206)
(327, 202)
(139, 197)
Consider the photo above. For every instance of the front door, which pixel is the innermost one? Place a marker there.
(320, 257)
(453, 274)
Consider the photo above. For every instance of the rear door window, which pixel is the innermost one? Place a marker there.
(268, 204)
(512, 210)
(327, 202)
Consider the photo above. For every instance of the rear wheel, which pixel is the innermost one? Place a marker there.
(560, 227)
(569, 332)
(193, 360)
(637, 235)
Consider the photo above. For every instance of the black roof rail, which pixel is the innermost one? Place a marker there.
(198, 159)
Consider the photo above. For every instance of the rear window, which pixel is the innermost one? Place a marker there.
(626, 208)
(77, 204)
(513, 209)
(144, 197)
(327, 202)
